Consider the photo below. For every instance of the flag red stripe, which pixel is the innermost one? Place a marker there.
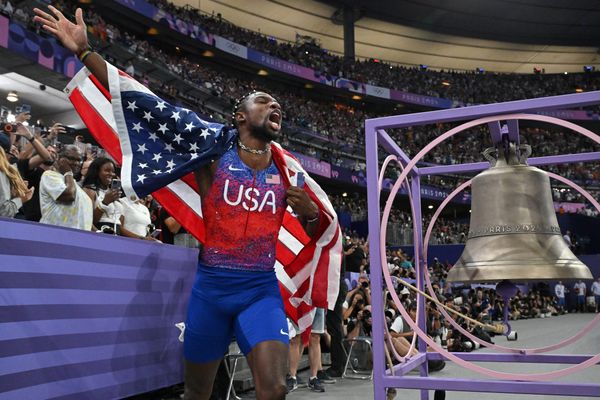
(190, 179)
(126, 75)
(175, 206)
(98, 127)
(283, 254)
(293, 226)
(101, 88)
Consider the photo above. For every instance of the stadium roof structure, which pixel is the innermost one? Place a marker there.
(552, 22)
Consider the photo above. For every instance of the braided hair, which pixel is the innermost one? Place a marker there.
(238, 104)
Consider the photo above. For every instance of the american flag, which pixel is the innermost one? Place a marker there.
(159, 145)
(273, 179)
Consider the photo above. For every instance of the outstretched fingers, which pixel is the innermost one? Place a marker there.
(56, 12)
(79, 17)
(48, 22)
(43, 17)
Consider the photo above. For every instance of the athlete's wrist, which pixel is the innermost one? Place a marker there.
(313, 219)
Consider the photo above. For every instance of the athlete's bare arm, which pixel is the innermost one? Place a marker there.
(204, 177)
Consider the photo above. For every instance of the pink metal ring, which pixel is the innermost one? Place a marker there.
(382, 234)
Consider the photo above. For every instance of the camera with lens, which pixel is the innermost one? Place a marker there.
(366, 314)
(7, 127)
(365, 284)
(360, 302)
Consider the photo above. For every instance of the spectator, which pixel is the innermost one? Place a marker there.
(567, 239)
(130, 69)
(84, 170)
(317, 376)
(580, 289)
(170, 227)
(355, 302)
(13, 190)
(559, 292)
(7, 9)
(334, 321)
(62, 201)
(355, 256)
(342, 124)
(31, 167)
(295, 354)
(97, 184)
(596, 292)
(136, 217)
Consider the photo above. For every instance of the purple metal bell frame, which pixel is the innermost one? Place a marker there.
(501, 382)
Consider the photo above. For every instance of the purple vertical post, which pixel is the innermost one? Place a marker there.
(495, 132)
(420, 269)
(379, 389)
(513, 130)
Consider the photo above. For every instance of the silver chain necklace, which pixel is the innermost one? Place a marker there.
(254, 151)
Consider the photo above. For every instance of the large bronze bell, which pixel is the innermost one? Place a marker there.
(514, 234)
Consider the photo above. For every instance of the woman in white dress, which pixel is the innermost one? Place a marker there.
(104, 189)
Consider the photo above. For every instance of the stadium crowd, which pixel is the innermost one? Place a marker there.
(340, 122)
(465, 87)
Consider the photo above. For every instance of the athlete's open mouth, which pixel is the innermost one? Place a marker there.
(275, 120)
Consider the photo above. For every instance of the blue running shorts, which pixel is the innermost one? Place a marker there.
(225, 302)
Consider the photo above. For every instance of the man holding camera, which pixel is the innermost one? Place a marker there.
(355, 255)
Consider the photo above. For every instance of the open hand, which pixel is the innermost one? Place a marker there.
(56, 129)
(22, 117)
(23, 131)
(14, 151)
(72, 36)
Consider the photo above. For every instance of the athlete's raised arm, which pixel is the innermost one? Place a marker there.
(74, 37)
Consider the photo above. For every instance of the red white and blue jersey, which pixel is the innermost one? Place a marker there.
(243, 211)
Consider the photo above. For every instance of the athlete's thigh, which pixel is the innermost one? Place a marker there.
(208, 330)
(260, 321)
(261, 332)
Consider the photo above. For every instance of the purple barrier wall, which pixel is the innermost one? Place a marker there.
(89, 316)
(42, 50)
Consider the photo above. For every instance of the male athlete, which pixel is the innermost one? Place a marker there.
(243, 202)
